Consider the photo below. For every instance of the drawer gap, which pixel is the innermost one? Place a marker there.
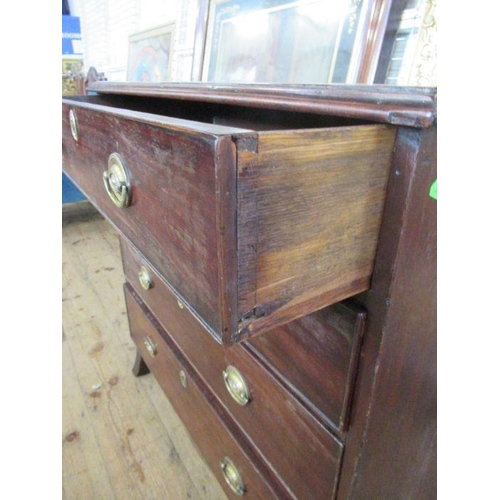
(221, 114)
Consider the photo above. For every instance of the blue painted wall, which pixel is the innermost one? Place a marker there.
(71, 45)
(70, 193)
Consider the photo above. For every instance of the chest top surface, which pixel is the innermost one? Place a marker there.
(410, 106)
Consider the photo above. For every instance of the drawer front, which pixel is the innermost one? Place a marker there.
(287, 434)
(204, 422)
(176, 176)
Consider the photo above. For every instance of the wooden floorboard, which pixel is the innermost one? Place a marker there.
(121, 438)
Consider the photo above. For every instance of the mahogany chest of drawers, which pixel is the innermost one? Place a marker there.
(279, 248)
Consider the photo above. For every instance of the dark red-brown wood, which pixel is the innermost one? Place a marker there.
(316, 357)
(390, 442)
(372, 37)
(380, 103)
(182, 197)
(251, 228)
(300, 445)
(391, 447)
(205, 420)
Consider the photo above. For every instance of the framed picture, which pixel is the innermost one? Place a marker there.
(282, 41)
(150, 54)
(409, 50)
(71, 76)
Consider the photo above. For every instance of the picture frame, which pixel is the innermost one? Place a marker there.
(150, 54)
(72, 80)
(281, 41)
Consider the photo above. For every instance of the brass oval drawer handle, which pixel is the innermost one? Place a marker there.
(232, 476)
(73, 124)
(116, 182)
(150, 346)
(145, 278)
(236, 385)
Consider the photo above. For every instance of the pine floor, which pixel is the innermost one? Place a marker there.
(121, 437)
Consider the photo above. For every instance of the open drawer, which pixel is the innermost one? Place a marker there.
(254, 217)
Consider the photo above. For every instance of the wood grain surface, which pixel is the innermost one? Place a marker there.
(252, 229)
(414, 106)
(316, 357)
(207, 423)
(391, 449)
(180, 213)
(301, 446)
(121, 437)
(282, 223)
(309, 211)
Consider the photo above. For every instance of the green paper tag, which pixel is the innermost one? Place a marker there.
(433, 193)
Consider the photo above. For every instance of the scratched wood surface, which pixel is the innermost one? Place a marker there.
(120, 436)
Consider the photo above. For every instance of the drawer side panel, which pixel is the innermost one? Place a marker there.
(309, 210)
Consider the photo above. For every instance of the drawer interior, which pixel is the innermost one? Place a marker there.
(221, 114)
(316, 358)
